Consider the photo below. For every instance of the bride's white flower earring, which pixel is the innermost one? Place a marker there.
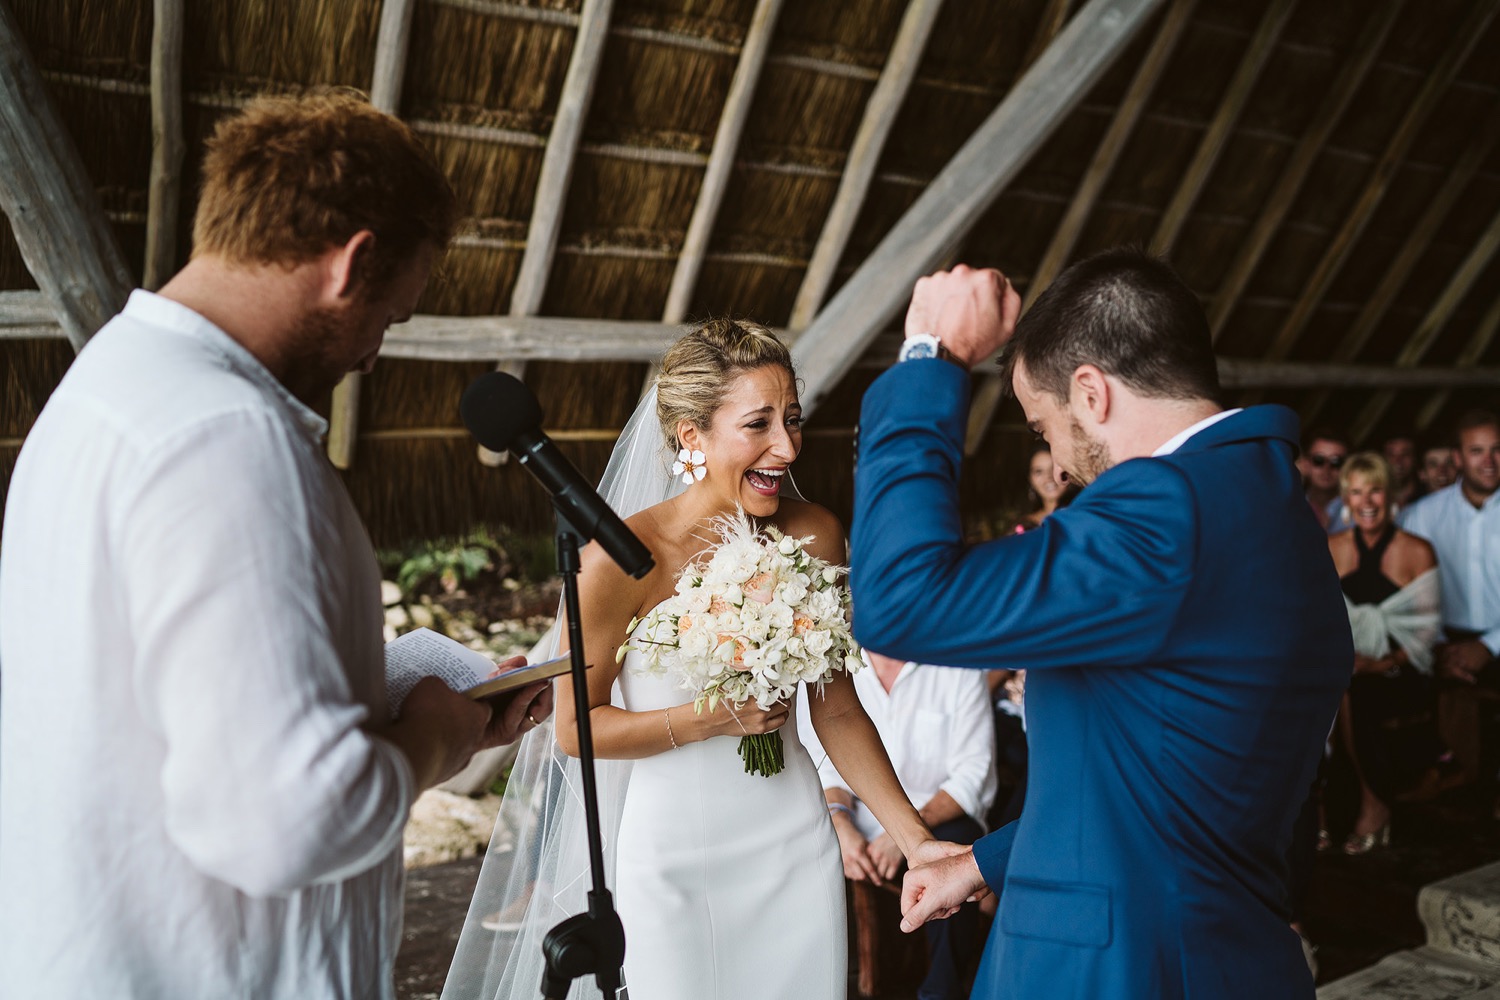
(689, 466)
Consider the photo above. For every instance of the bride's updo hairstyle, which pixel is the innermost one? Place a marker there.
(699, 369)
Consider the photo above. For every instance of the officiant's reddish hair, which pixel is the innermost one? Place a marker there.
(289, 177)
(698, 370)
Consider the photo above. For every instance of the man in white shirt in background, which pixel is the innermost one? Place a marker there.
(1462, 523)
(202, 785)
(937, 727)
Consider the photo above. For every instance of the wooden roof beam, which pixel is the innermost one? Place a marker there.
(557, 163)
(947, 210)
(721, 161)
(1437, 317)
(167, 145)
(1384, 172)
(1479, 343)
(1413, 249)
(1048, 27)
(1216, 137)
(864, 156)
(991, 388)
(1289, 184)
(391, 41)
(53, 207)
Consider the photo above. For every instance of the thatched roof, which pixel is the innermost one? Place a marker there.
(1324, 173)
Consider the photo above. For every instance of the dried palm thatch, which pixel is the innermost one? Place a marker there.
(1333, 167)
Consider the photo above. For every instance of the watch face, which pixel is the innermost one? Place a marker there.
(919, 347)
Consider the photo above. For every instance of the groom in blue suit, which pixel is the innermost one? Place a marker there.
(1181, 624)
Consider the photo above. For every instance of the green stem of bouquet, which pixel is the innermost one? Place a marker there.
(763, 753)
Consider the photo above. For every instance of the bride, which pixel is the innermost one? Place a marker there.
(728, 884)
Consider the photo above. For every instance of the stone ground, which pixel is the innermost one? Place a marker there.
(1360, 909)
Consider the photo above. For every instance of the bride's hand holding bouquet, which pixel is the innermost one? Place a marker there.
(755, 618)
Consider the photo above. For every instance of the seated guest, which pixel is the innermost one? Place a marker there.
(1439, 468)
(1323, 454)
(1390, 584)
(936, 726)
(1462, 522)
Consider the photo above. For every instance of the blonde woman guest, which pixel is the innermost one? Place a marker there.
(1390, 585)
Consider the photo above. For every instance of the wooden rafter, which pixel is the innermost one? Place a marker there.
(1437, 317)
(726, 147)
(991, 389)
(53, 207)
(535, 338)
(1216, 137)
(1289, 184)
(943, 215)
(557, 163)
(1384, 172)
(1479, 343)
(864, 156)
(167, 146)
(386, 82)
(1413, 249)
(1054, 16)
(563, 145)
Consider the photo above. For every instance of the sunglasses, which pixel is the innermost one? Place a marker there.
(1320, 461)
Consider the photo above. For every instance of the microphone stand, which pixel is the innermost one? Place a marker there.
(592, 942)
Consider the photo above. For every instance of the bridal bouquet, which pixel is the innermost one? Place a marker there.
(751, 620)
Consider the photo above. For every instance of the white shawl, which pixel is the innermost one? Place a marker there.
(1410, 617)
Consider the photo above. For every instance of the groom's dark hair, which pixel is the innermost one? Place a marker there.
(1126, 312)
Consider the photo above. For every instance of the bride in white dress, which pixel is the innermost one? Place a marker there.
(728, 884)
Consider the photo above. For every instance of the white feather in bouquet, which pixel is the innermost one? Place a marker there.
(749, 621)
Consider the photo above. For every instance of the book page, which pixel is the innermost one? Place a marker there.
(422, 653)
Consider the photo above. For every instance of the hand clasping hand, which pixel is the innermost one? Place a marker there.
(935, 891)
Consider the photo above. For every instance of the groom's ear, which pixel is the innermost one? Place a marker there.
(1090, 394)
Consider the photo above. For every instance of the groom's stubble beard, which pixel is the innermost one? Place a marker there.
(1091, 458)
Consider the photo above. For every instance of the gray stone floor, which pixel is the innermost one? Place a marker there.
(1359, 909)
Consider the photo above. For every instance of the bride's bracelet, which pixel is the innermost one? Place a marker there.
(667, 714)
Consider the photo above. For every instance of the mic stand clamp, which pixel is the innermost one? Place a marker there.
(591, 943)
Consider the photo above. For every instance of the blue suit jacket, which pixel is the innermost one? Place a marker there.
(1187, 644)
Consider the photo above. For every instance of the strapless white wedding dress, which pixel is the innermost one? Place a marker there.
(730, 885)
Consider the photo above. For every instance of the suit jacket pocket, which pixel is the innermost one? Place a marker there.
(1076, 913)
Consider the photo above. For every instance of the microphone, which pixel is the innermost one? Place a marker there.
(503, 415)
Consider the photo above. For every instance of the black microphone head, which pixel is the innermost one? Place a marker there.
(496, 407)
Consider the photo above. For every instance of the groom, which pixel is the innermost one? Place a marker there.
(1181, 624)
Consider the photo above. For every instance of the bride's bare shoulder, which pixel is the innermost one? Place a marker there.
(802, 518)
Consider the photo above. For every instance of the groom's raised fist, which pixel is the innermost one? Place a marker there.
(972, 312)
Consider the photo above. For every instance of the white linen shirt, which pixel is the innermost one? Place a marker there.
(190, 644)
(1467, 543)
(937, 728)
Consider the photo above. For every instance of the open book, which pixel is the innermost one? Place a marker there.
(423, 653)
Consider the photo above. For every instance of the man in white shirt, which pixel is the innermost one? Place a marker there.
(1462, 522)
(190, 623)
(937, 728)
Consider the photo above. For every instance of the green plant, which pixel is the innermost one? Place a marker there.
(451, 562)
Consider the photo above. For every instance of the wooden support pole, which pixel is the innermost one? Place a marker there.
(391, 43)
(1413, 249)
(947, 210)
(726, 147)
(52, 205)
(167, 146)
(1437, 317)
(991, 390)
(1289, 184)
(1219, 130)
(1434, 88)
(1479, 343)
(864, 156)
